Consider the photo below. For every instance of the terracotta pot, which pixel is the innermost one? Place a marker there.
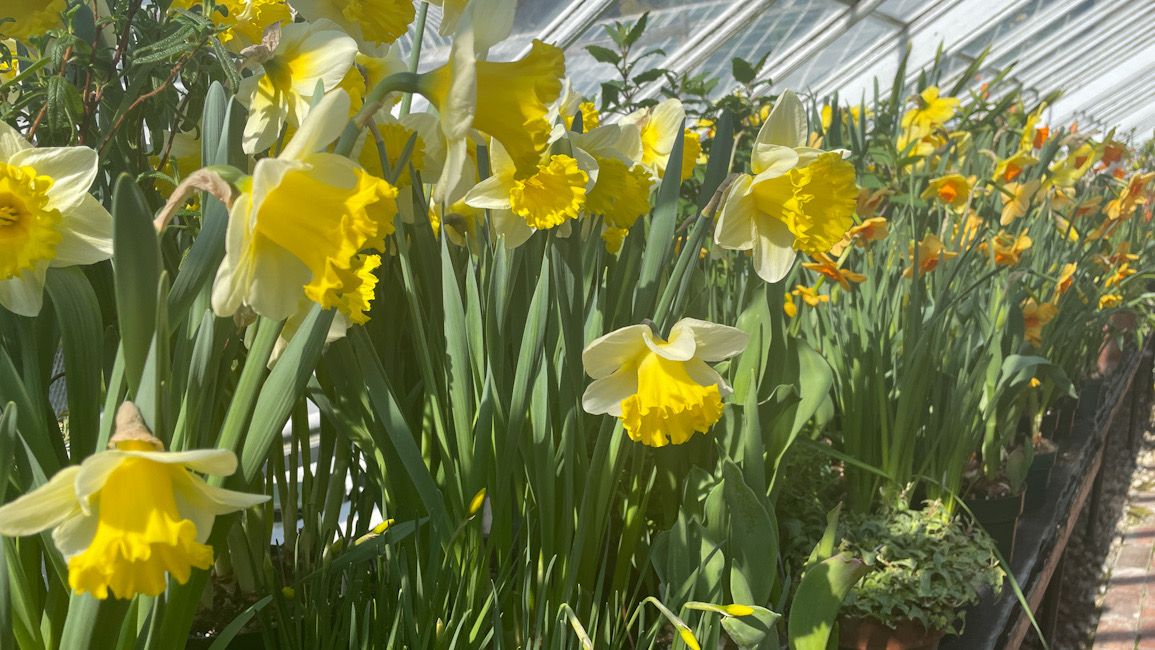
(869, 634)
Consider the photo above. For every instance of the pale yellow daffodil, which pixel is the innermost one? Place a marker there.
(1019, 202)
(658, 127)
(799, 199)
(126, 517)
(47, 217)
(300, 224)
(306, 55)
(662, 389)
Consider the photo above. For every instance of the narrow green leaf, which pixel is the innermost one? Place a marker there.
(136, 261)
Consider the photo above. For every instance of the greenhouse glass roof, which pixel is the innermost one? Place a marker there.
(1097, 51)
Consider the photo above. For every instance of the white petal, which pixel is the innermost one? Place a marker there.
(513, 230)
(323, 125)
(72, 170)
(706, 376)
(772, 160)
(324, 55)
(607, 353)
(220, 462)
(75, 534)
(42, 508)
(491, 193)
(94, 473)
(86, 234)
(24, 294)
(268, 108)
(605, 395)
(492, 22)
(10, 142)
(680, 346)
(735, 229)
(773, 250)
(786, 125)
(714, 342)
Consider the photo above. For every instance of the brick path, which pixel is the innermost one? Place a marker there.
(1127, 620)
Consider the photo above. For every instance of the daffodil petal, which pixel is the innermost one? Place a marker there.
(736, 220)
(773, 250)
(705, 375)
(490, 194)
(714, 342)
(323, 125)
(85, 234)
(606, 354)
(72, 170)
(220, 462)
(605, 395)
(680, 346)
(510, 227)
(772, 160)
(268, 108)
(24, 294)
(786, 125)
(42, 508)
(11, 141)
(75, 533)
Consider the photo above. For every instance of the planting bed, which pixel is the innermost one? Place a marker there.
(1045, 533)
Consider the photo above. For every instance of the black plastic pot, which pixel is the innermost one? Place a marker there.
(1038, 477)
(1058, 420)
(999, 517)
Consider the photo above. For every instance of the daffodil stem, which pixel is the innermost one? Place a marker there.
(415, 55)
(374, 101)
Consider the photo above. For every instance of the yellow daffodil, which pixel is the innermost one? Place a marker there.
(659, 127)
(1109, 300)
(809, 295)
(24, 19)
(953, 190)
(691, 153)
(931, 252)
(1007, 248)
(1035, 317)
(11, 67)
(799, 199)
(569, 104)
(507, 101)
(306, 54)
(126, 517)
(662, 389)
(1018, 202)
(1009, 169)
(245, 21)
(549, 197)
(1066, 277)
(367, 21)
(459, 224)
(828, 268)
(870, 230)
(47, 217)
(930, 112)
(300, 222)
(1132, 196)
(1027, 136)
(1121, 273)
(1066, 172)
(622, 192)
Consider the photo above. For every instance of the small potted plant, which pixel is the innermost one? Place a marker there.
(929, 566)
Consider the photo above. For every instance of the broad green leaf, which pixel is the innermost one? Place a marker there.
(136, 260)
(819, 597)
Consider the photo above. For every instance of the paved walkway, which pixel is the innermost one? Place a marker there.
(1127, 617)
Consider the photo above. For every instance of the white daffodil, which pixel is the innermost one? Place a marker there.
(301, 223)
(47, 217)
(127, 516)
(622, 192)
(550, 196)
(662, 390)
(305, 54)
(799, 198)
(658, 127)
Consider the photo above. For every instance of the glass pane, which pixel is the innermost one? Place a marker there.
(905, 10)
(859, 40)
(1006, 27)
(780, 28)
(671, 24)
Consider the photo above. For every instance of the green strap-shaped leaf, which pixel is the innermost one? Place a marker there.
(136, 260)
(660, 238)
(819, 597)
(78, 311)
